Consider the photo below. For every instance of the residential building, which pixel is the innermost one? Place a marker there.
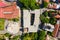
(56, 31)
(57, 16)
(8, 10)
(54, 6)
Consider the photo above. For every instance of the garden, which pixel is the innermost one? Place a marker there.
(47, 17)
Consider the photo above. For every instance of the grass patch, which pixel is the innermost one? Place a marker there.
(2, 21)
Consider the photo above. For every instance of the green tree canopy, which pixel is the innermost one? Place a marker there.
(30, 36)
(45, 4)
(45, 13)
(35, 36)
(53, 20)
(47, 17)
(7, 35)
(41, 35)
(44, 19)
(29, 4)
(15, 19)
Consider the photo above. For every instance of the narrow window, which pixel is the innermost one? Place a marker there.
(32, 18)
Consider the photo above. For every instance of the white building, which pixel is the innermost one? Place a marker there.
(48, 27)
(31, 19)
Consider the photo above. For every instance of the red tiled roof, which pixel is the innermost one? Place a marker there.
(2, 4)
(55, 30)
(54, 6)
(57, 16)
(47, 1)
(12, 8)
(59, 28)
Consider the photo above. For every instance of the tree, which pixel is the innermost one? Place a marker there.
(41, 35)
(33, 4)
(33, 36)
(50, 14)
(44, 19)
(29, 4)
(15, 19)
(45, 13)
(52, 20)
(7, 35)
(30, 36)
(45, 4)
(24, 3)
(26, 37)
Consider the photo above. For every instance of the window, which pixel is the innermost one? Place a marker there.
(32, 18)
(7, 12)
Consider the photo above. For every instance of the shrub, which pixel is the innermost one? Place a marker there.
(45, 4)
(15, 19)
(7, 35)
